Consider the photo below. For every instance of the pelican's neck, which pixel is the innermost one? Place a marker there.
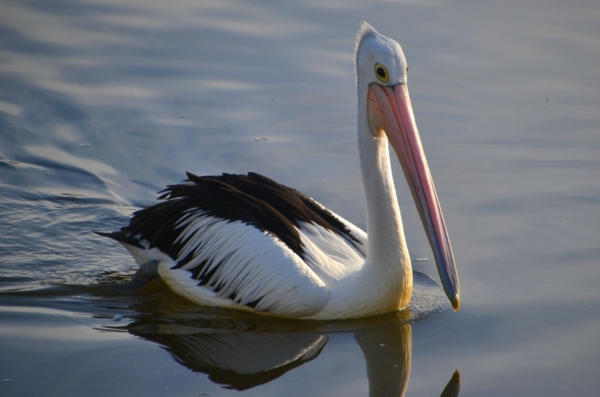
(387, 254)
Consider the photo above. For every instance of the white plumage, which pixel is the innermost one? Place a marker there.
(244, 241)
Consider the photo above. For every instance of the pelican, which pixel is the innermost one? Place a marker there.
(250, 243)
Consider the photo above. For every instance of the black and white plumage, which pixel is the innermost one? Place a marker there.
(245, 241)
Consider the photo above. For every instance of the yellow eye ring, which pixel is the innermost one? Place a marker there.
(381, 73)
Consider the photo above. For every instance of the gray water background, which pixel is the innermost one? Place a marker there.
(102, 103)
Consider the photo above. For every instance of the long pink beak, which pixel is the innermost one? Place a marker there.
(390, 110)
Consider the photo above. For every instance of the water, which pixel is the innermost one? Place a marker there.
(102, 104)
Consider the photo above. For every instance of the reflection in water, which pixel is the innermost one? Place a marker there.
(238, 361)
(243, 352)
(387, 353)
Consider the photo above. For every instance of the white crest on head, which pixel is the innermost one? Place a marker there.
(364, 31)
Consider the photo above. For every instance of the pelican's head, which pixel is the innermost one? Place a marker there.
(381, 73)
(379, 59)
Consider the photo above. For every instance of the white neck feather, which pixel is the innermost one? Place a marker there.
(384, 282)
(387, 253)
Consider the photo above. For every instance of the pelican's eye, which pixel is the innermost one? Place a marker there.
(407, 68)
(381, 73)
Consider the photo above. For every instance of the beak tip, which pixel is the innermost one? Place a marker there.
(456, 303)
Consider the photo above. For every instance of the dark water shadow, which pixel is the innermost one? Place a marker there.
(248, 351)
(241, 350)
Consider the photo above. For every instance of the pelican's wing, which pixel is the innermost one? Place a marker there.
(352, 234)
(230, 240)
(298, 208)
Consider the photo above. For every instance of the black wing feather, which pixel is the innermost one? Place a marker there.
(253, 199)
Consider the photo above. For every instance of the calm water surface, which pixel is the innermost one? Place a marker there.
(102, 104)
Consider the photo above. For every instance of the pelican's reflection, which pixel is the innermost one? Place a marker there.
(387, 352)
(241, 353)
(236, 360)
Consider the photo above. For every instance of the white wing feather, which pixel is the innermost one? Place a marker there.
(249, 265)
